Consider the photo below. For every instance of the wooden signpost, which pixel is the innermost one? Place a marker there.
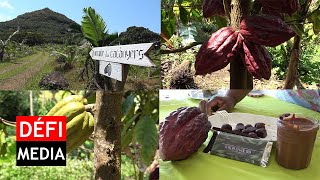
(112, 57)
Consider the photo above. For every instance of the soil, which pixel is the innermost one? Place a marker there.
(221, 80)
(18, 81)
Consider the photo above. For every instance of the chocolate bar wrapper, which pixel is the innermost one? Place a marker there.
(254, 151)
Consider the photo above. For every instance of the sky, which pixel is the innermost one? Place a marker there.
(118, 14)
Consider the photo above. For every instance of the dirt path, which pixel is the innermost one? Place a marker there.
(17, 81)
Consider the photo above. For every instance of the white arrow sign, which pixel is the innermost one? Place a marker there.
(110, 69)
(134, 54)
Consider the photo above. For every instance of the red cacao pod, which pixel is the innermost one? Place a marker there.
(218, 51)
(280, 6)
(213, 7)
(265, 30)
(257, 60)
(182, 133)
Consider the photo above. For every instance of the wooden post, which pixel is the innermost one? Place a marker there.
(240, 78)
(107, 135)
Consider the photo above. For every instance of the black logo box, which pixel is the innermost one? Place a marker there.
(48, 162)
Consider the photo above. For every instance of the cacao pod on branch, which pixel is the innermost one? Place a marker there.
(265, 30)
(280, 6)
(257, 60)
(182, 133)
(218, 51)
(80, 123)
(213, 7)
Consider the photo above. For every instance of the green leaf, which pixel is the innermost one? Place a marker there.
(221, 22)
(128, 104)
(298, 29)
(315, 19)
(128, 123)
(184, 15)
(146, 134)
(188, 33)
(168, 23)
(93, 26)
(126, 139)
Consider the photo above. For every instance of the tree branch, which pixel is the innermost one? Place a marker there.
(180, 49)
(9, 123)
(304, 17)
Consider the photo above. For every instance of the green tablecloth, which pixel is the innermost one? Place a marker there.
(201, 166)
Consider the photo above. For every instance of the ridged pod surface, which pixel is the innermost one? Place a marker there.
(213, 7)
(257, 60)
(280, 6)
(217, 52)
(80, 123)
(182, 133)
(79, 130)
(265, 30)
(63, 102)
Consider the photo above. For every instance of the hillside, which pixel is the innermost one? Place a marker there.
(134, 35)
(42, 26)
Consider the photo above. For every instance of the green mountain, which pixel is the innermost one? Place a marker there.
(42, 26)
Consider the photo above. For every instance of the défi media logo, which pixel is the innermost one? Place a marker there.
(41, 141)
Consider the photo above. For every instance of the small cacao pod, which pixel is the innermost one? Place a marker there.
(213, 7)
(280, 6)
(265, 30)
(182, 133)
(218, 51)
(257, 60)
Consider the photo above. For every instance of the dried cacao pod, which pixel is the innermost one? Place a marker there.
(257, 60)
(265, 30)
(280, 6)
(213, 7)
(182, 133)
(218, 51)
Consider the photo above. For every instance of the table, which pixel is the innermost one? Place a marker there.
(201, 166)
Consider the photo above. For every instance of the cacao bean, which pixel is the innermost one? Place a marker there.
(265, 30)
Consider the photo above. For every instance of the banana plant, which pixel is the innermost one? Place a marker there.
(70, 55)
(3, 44)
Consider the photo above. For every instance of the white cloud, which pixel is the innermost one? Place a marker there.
(6, 5)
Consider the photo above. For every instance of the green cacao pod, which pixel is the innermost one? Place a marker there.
(65, 101)
(79, 130)
(80, 123)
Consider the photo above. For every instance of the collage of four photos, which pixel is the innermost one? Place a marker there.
(162, 89)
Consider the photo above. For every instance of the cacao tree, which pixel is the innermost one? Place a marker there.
(282, 19)
(139, 132)
(107, 139)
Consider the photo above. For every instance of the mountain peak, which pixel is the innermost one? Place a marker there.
(53, 26)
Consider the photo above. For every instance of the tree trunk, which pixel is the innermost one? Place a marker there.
(107, 137)
(239, 76)
(1, 55)
(292, 75)
(31, 103)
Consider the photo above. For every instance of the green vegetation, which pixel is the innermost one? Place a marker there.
(38, 27)
(184, 29)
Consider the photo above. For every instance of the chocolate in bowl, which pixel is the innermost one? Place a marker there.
(295, 140)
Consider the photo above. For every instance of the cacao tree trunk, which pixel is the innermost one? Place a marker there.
(240, 78)
(107, 137)
(292, 75)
